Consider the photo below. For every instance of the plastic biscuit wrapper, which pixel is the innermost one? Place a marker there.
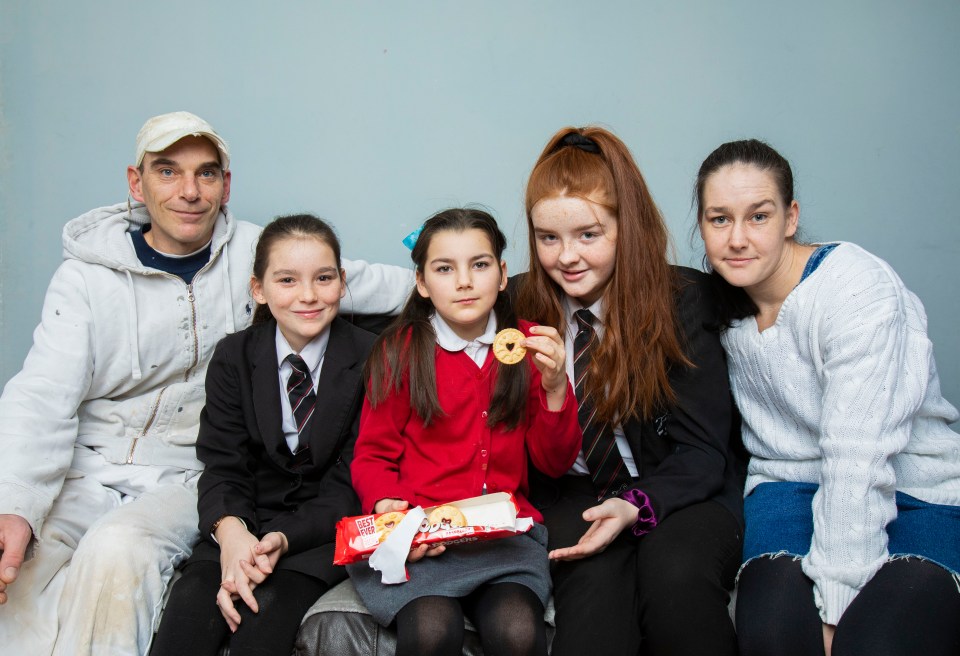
(485, 517)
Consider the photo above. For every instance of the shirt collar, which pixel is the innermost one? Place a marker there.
(312, 353)
(450, 341)
(570, 306)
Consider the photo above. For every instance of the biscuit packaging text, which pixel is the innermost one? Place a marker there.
(480, 518)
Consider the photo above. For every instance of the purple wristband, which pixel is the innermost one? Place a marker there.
(646, 519)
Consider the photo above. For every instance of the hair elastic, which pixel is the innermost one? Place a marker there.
(577, 140)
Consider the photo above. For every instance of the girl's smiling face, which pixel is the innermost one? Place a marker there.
(462, 277)
(576, 243)
(747, 227)
(302, 287)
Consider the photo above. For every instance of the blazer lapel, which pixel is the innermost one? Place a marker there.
(266, 395)
(337, 390)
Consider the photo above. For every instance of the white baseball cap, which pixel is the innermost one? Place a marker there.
(161, 132)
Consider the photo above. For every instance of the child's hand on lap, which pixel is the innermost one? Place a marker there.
(390, 505)
(608, 519)
(236, 546)
(416, 553)
(425, 551)
(266, 554)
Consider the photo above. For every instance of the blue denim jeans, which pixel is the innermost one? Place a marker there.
(779, 520)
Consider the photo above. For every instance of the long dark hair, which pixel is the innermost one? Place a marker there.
(293, 226)
(733, 302)
(630, 369)
(408, 347)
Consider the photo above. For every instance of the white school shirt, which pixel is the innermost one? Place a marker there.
(476, 349)
(312, 355)
(623, 446)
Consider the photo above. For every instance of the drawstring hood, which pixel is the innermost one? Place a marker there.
(101, 237)
(134, 344)
(129, 345)
(230, 326)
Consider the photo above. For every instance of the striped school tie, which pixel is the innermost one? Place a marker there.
(302, 401)
(607, 469)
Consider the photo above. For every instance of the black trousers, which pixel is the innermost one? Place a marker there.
(909, 607)
(192, 623)
(665, 593)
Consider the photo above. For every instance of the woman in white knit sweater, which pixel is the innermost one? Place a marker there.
(854, 471)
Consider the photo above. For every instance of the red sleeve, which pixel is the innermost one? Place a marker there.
(375, 469)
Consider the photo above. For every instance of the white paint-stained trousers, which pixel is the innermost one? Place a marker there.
(96, 582)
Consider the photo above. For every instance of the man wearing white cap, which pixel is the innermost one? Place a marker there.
(97, 431)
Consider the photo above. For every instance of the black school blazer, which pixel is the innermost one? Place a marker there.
(246, 458)
(691, 451)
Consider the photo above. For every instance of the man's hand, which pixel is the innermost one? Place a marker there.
(609, 519)
(15, 534)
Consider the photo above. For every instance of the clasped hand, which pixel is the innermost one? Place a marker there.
(245, 563)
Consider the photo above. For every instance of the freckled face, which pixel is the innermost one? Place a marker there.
(745, 226)
(462, 278)
(302, 287)
(576, 245)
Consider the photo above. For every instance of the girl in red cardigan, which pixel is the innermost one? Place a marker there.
(444, 420)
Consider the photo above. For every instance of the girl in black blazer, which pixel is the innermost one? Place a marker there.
(276, 439)
(646, 529)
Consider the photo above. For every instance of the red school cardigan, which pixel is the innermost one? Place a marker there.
(458, 455)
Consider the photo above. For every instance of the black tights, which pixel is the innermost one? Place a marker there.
(670, 585)
(192, 623)
(508, 617)
(909, 607)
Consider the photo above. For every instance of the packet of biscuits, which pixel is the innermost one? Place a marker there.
(485, 517)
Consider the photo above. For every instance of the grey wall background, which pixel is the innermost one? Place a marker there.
(375, 115)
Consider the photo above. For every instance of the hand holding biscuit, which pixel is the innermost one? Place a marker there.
(425, 551)
(549, 357)
(391, 512)
(390, 505)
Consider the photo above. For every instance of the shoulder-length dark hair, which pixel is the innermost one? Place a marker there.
(407, 349)
(292, 226)
(629, 371)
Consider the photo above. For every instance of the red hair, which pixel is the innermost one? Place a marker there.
(629, 370)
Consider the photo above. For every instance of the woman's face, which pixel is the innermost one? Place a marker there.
(745, 225)
(576, 245)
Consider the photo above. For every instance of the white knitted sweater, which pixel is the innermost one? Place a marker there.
(843, 391)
